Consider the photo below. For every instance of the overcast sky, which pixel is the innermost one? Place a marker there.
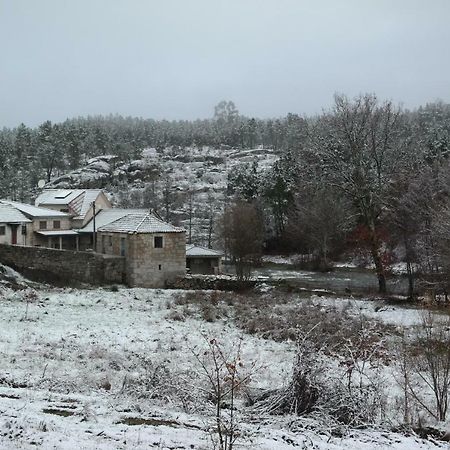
(176, 59)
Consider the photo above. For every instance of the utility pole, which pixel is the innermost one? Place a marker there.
(190, 210)
(94, 233)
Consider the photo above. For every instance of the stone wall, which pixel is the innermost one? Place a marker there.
(205, 282)
(63, 266)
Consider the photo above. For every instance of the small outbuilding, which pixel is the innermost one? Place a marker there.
(202, 260)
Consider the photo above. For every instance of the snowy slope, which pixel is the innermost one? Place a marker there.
(202, 171)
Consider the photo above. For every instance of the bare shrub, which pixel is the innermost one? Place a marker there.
(211, 305)
(226, 376)
(29, 296)
(282, 317)
(208, 312)
(366, 348)
(426, 367)
(358, 407)
(180, 298)
(314, 390)
(150, 380)
(302, 392)
(176, 316)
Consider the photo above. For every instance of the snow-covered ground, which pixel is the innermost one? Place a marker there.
(97, 369)
(390, 314)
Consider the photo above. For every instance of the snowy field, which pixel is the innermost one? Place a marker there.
(97, 369)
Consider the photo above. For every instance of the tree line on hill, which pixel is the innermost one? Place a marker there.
(29, 154)
(364, 174)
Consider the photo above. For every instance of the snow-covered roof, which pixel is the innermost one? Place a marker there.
(77, 200)
(57, 196)
(195, 251)
(34, 211)
(10, 214)
(82, 203)
(140, 223)
(106, 216)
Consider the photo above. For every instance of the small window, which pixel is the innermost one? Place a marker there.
(110, 241)
(160, 267)
(43, 225)
(2, 230)
(56, 224)
(24, 230)
(158, 242)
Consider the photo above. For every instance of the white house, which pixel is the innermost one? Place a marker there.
(78, 203)
(13, 225)
(38, 226)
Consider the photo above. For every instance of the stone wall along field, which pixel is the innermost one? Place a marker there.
(63, 266)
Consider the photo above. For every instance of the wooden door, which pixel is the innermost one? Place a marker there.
(14, 234)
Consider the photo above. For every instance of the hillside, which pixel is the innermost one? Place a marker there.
(192, 179)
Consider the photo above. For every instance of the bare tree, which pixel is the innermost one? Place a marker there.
(320, 220)
(210, 214)
(242, 233)
(358, 149)
(168, 197)
(441, 236)
(149, 196)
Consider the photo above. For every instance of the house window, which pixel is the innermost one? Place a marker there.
(56, 224)
(110, 241)
(43, 225)
(159, 267)
(2, 230)
(158, 242)
(24, 230)
(122, 246)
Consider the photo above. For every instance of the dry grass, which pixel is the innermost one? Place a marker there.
(278, 315)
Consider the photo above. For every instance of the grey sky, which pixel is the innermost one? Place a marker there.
(176, 59)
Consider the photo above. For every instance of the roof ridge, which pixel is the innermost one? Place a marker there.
(155, 213)
(141, 222)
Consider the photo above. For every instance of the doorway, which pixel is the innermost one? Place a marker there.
(14, 234)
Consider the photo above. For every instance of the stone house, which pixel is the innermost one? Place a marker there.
(39, 227)
(201, 260)
(154, 250)
(102, 217)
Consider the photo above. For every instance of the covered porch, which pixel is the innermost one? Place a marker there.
(58, 239)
